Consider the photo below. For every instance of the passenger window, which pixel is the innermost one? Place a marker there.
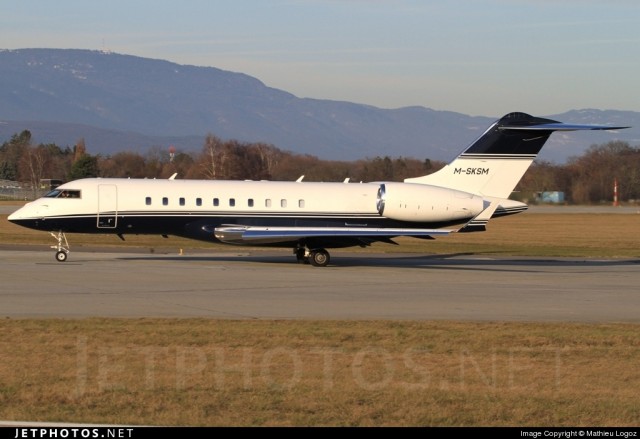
(147, 201)
(216, 202)
(165, 201)
(267, 203)
(301, 203)
(283, 203)
(250, 202)
(198, 201)
(182, 202)
(232, 202)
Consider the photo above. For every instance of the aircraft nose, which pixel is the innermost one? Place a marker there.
(24, 213)
(16, 217)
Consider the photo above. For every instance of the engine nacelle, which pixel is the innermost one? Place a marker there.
(425, 203)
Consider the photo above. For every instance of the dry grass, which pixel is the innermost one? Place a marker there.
(548, 234)
(364, 373)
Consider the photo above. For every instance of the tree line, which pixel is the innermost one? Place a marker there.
(586, 179)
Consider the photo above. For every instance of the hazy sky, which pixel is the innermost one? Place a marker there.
(477, 57)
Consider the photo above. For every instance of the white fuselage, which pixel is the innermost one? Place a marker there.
(168, 206)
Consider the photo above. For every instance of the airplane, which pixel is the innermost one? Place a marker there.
(308, 217)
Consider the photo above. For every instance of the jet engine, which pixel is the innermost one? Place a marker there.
(425, 203)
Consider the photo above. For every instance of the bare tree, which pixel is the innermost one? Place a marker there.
(211, 157)
(32, 165)
(269, 156)
(123, 164)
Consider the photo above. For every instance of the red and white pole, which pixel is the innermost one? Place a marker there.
(615, 192)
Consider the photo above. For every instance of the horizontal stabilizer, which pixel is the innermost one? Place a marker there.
(559, 126)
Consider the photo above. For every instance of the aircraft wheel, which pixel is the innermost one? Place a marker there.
(61, 256)
(319, 258)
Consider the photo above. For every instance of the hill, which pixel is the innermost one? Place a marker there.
(120, 102)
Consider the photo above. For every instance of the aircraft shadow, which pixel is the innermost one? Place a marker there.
(452, 261)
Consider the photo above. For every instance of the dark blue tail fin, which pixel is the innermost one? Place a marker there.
(493, 165)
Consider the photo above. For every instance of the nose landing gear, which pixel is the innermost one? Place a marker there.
(62, 248)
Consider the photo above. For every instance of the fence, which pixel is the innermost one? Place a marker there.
(13, 190)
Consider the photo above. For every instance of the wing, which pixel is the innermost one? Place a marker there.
(238, 234)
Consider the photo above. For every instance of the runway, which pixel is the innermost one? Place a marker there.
(270, 285)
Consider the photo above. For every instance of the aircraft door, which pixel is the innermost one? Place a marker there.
(107, 206)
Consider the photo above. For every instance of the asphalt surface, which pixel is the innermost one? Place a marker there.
(271, 285)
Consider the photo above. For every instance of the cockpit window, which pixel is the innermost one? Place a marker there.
(63, 193)
(53, 194)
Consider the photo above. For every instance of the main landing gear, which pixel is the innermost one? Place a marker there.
(62, 249)
(318, 257)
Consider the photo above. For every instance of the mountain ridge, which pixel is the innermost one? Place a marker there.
(121, 102)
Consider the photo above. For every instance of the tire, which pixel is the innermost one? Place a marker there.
(61, 256)
(319, 258)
